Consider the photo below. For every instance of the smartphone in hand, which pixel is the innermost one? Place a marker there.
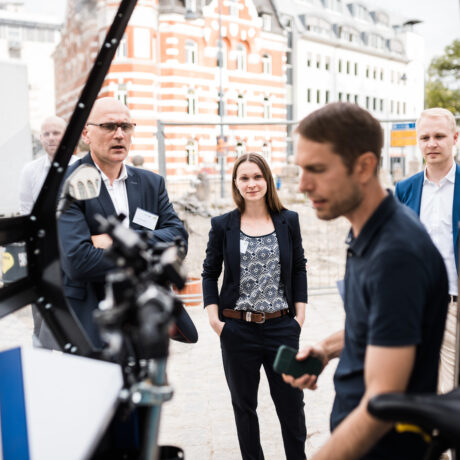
(286, 363)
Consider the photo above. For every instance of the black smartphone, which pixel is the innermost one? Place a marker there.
(286, 363)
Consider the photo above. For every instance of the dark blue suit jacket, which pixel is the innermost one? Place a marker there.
(409, 192)
(85, 266)
(224, 246)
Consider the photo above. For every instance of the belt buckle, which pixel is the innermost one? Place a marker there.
(248, 317)
(263, 318)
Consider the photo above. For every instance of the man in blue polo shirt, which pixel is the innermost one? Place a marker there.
(395, 287)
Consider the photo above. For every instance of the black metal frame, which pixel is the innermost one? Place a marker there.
(38, 230)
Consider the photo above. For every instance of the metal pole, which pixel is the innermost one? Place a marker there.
(161, 148)
(221, 103)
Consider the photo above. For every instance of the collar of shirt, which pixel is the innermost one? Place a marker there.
(358, 245)
(450, 176)
(122, 177)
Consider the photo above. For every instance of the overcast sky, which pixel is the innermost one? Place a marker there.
(441, 18)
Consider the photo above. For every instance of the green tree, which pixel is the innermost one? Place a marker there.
(442, 88)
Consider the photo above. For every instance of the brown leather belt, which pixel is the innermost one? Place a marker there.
(253, 316)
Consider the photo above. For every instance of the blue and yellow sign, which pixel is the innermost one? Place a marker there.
(403, 134)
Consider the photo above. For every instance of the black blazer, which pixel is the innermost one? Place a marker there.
(85, 266)
(224, 246)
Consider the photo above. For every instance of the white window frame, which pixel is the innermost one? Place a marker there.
(191, 52)
(233, 8)
(241, 58)
(241, 106)
(266, 64)
(122, 49)
(192, 102)
(267, 108)
(191, 150)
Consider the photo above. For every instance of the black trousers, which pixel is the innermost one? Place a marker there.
(245, 348)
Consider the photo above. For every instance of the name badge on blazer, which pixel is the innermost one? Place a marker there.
(145, 218)
(243, 246)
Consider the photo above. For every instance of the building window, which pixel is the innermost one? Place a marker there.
(318, 61)
(318, 96)
(367, 72)
(267, 108)
(309, 60)
(233, 8)
(404, 108)
(391, 107)
(375, 74)
(190, 6)
(266, 64)
(222, 55)
(192, 102)
(374, 103)
(326, 96)
(340, 65)
(267, 151)
(14, 50)
(308, 95)
(348, 34)
(240, 148)
(367, 102)
(316, 25)
(191, 52)
(327, 63)
(121, 93)
(340, 97)
(191, 149)
(122, 49)
(241, 58)
(348, 66)
(381, 74)
(397, 108)
(356, 68)
(356, 99)
(266, 22)
(376, 41)
(381, 105)
(241, 106)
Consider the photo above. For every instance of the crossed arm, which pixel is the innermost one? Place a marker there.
(386, 369)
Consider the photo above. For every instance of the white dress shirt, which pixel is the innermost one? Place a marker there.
(33, 176)
(436, 215)
(118, 193)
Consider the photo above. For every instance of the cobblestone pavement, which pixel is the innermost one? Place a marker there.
(200, 418)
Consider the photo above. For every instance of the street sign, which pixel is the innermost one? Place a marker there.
(403, 134)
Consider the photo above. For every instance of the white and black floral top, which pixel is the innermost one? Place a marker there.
(260, 271)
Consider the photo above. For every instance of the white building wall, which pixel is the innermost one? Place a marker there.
(34, 38)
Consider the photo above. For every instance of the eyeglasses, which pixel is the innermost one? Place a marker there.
(111, 127)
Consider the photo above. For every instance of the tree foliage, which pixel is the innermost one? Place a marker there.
(443, 86)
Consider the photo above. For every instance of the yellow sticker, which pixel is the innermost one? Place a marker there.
(7, 262)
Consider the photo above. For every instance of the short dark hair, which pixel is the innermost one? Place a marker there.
(350, 130)
(271, 198)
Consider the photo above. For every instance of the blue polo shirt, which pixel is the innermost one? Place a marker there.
(395, 294)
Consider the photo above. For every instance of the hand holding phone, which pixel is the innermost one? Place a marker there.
(286, 363)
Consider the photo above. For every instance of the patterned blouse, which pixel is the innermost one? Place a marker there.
(260, 284)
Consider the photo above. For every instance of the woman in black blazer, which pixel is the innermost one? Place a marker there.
(261, 304)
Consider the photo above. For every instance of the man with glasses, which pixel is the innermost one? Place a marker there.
(139, 194)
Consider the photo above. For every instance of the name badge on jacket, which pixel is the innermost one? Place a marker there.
(244, 246)
(145, 218)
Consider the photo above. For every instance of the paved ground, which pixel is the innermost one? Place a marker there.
(199, 418)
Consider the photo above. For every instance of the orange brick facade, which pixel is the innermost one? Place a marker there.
(166, 68)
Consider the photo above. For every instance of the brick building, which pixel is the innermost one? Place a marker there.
(166, 68)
